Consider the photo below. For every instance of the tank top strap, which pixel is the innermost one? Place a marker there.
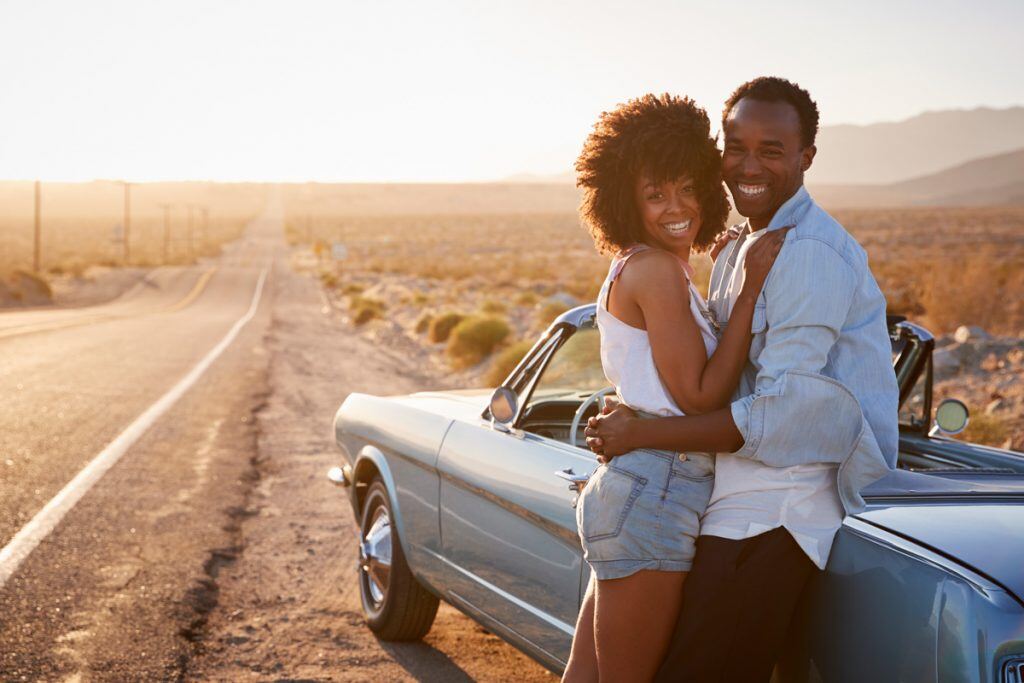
(619, 262)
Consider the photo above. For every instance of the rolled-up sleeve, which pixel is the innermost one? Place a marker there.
(807, 298)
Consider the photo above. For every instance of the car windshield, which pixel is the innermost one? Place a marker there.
(575, 368)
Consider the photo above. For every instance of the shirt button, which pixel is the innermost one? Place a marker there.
(682, 457)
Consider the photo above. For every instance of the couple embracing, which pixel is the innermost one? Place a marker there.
(747, 424)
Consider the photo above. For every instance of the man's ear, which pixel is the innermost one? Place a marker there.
(807, 157)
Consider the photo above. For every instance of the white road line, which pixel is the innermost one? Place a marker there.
(26, 540)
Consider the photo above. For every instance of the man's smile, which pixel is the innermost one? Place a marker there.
(748, 190)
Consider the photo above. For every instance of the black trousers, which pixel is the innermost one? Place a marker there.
(738, 601)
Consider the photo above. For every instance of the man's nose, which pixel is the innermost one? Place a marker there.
(751, 166)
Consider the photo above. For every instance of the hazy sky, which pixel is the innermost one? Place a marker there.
(425, 91)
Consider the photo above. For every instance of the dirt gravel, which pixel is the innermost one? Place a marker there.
(288, 607)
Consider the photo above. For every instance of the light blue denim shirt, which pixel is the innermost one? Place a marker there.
(820, 386)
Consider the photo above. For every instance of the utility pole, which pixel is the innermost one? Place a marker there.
(127, 222)
(167, 232)
(37, 253)
(191, 245)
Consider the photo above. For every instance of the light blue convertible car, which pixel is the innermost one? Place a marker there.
(467, 497)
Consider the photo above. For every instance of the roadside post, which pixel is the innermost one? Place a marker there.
(37, 251)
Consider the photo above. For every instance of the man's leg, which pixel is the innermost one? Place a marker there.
(737, 604)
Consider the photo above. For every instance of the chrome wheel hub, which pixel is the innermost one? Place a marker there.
(375, 555)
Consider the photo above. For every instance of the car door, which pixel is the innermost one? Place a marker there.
(508, 525)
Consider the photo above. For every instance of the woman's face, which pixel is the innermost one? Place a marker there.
(669, 213)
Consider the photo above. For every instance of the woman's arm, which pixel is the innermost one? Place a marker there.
(657, 286)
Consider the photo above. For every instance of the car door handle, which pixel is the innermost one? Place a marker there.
(576, 481)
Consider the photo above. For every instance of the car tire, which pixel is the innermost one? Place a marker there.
(396, 606)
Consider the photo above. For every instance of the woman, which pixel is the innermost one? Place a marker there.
(651, 175)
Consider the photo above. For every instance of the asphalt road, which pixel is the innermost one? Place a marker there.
(212, 549)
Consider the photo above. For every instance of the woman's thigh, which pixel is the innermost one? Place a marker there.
(634, 620)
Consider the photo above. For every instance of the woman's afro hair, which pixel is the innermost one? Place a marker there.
(663, 138)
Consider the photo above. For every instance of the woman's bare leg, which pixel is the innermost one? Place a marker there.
(634, 618)
(582, 666)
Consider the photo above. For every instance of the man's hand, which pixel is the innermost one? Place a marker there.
(607, 434)
(722, 240)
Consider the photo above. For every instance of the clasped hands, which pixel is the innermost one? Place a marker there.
(608, 434)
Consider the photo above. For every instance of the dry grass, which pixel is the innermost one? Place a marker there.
(944, 267)
(488, 250)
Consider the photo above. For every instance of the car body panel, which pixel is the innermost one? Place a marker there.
(508, 525)
(888, 609)
(986, 536)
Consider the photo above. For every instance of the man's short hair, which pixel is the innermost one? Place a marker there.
(775, 89)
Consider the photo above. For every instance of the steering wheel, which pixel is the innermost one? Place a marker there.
(578, 416)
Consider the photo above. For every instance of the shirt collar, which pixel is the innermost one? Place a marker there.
(791, 211)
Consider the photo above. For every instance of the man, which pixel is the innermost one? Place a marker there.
(815, 418)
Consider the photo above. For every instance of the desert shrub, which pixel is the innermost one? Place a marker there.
(364, 309)
(329, 279)
(352, 288)
(442, 326)
(526, 299)
(548, 311)
(491, 306)
(986, 429)
(419, 299)
(474, 338)
(423, 323)
(506, 361)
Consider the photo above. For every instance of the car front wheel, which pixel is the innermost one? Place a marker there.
(396, 606)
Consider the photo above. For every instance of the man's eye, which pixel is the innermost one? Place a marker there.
(771, 153)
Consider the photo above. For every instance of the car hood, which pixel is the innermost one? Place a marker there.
(983, 534)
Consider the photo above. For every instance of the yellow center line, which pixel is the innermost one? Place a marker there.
(200, 285)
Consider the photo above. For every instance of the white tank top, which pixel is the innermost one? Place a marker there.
(626, 351)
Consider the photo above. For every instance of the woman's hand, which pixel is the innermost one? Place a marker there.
(722, 240)
(759, 260)
(608, 433)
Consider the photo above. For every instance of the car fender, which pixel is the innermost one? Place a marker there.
(370, 459)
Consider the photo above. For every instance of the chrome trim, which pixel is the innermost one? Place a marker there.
(917, 551)
(556, 530)
(340, 476)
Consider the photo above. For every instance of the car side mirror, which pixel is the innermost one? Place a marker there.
(951, 417)
(504, 406)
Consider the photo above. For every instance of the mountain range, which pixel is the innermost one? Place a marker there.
(952, 158)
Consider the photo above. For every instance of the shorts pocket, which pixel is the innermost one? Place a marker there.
(694, 469)
(606, 502)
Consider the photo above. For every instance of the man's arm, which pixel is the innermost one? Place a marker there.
(795, 414)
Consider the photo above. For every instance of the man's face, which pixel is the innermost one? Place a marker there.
(764, 160)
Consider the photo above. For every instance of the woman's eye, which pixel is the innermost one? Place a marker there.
(654, 197)
(687, 189)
